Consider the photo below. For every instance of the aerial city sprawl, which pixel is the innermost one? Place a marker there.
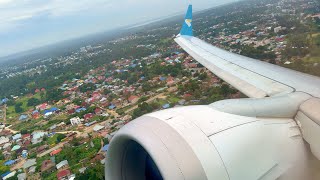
(59, 113)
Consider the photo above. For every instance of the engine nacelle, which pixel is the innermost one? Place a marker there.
(200, 142)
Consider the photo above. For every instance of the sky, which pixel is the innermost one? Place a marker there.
(28, 24)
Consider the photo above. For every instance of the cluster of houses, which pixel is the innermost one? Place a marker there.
(24, 166)
(43, 110)
(271, 33)
(15, 150)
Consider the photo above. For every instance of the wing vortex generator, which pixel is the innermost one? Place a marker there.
(273, 134)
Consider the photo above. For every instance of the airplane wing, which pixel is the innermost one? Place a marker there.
(252, 77)
(273, 134)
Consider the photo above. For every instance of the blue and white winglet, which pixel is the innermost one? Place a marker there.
(186, 29)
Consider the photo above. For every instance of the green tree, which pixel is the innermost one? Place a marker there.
(203, 76)
(3, 168)
(78, 101)
(60, 137)
(87, 87)
(1, 156)
(33, 102)
(54, 95)
(95, 172)
(17, 108)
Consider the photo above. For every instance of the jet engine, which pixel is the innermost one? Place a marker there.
(202, 142)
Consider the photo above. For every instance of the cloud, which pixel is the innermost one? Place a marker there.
(44, 22)
(64, 8)
(15, 12)
(4, 2)
(23, 17)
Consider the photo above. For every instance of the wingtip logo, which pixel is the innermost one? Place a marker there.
(188, 22)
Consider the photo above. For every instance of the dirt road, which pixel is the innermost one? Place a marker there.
(160, 96)
(60, 145)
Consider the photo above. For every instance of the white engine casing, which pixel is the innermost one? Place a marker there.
(200, 142)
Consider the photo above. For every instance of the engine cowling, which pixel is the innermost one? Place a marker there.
(200, 142)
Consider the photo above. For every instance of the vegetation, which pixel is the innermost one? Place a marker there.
(57, 138)
(87, 87)
(3, 168)
(79, 152)
(33, 102)
(95, 172)
(261, 53)
(142, 109)
(143, 74)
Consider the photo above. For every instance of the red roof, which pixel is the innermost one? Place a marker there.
(88, 116)
(98, 157)
(132, 98)
(27, 142)
(109, 79)
(191, 65)
(84, 104)
(43, 106)
(104, 133)
(170, 79)
(187, 95)
(63, 173)
(36, 115)
(98, 110)
(26, 136)
(96, 94)
(101, 77)
(54, 152)
(71, 111)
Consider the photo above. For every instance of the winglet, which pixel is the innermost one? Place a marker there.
(187, 24)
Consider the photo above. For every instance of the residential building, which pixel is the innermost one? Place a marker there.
(63, 174)
(133, 99)
(29, 163)
(47, 166)
(55, 152)
(63, 164)
(75, 121)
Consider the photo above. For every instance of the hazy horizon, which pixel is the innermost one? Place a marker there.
(30, 24)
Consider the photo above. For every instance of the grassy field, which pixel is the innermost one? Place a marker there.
(24, 106)
(53, 139)
(312, 59)
(161, 101)
(60, 117)
(173, 99)
(11, 113)
(28, 125)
